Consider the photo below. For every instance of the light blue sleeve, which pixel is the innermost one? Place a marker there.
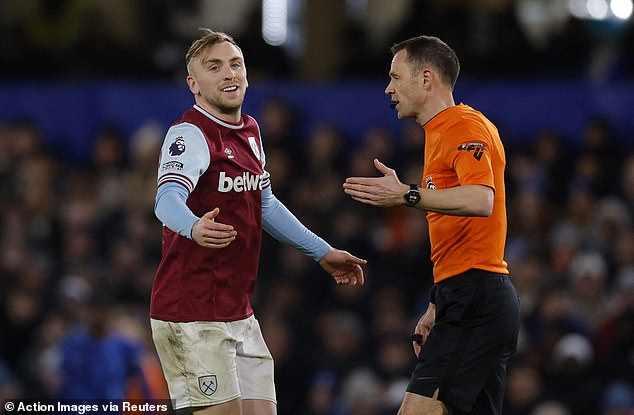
(171, 209)
(281, 224)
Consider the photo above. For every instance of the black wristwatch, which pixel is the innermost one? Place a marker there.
(412, 197)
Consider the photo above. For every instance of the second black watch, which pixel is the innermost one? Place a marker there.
(412, 197)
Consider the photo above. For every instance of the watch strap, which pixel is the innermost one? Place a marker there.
(412, 197)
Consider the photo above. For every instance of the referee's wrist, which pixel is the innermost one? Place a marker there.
(412, 196)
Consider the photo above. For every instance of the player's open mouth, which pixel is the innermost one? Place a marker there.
(231, 88)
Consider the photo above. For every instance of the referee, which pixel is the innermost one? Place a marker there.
(469, 331)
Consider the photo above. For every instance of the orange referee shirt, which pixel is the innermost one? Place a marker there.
(462, 147)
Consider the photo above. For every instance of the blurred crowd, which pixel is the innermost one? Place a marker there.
(80, 247)
(83, 39)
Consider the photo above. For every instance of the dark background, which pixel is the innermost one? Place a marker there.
(88, 89)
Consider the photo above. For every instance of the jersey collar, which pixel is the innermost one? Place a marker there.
(218, 120)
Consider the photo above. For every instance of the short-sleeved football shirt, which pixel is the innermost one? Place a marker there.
(221, 164)
(462, 147)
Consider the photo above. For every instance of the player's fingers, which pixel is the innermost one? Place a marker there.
(358, 275)
(355, 260)
(221, 239)
(344, 278)
(217, 244)
(215, 238)
(219, 233)
(340, 279)
(354, 277)
(221, 227)
(212, 214)
(213, 243)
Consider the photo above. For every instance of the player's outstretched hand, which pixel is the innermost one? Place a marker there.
(343, 266)
(377, 191)
(211, 234)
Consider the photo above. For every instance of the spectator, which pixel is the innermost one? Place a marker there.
(95, 361)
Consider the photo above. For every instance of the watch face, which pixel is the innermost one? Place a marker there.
(412, 197)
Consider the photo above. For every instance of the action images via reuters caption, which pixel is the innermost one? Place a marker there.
(83, 408)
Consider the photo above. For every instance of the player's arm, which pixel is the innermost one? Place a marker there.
(184, 158)
(171, 209)
(280, 223)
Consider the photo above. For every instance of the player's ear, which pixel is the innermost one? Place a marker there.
(193, 85)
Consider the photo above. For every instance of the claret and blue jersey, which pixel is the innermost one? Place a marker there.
(207, 163)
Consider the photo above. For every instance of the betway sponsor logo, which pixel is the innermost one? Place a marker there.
(245, 182)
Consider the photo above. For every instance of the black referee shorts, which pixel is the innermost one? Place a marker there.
(475, 334)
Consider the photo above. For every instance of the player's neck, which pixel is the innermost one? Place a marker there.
(233, 116)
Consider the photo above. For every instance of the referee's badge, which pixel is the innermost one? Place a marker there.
(254, 147)
(208, 384)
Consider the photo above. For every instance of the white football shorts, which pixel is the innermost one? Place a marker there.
(209, 363)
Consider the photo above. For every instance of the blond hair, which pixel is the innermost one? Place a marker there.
(208, 39)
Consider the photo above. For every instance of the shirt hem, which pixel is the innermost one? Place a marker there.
(173, 319)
